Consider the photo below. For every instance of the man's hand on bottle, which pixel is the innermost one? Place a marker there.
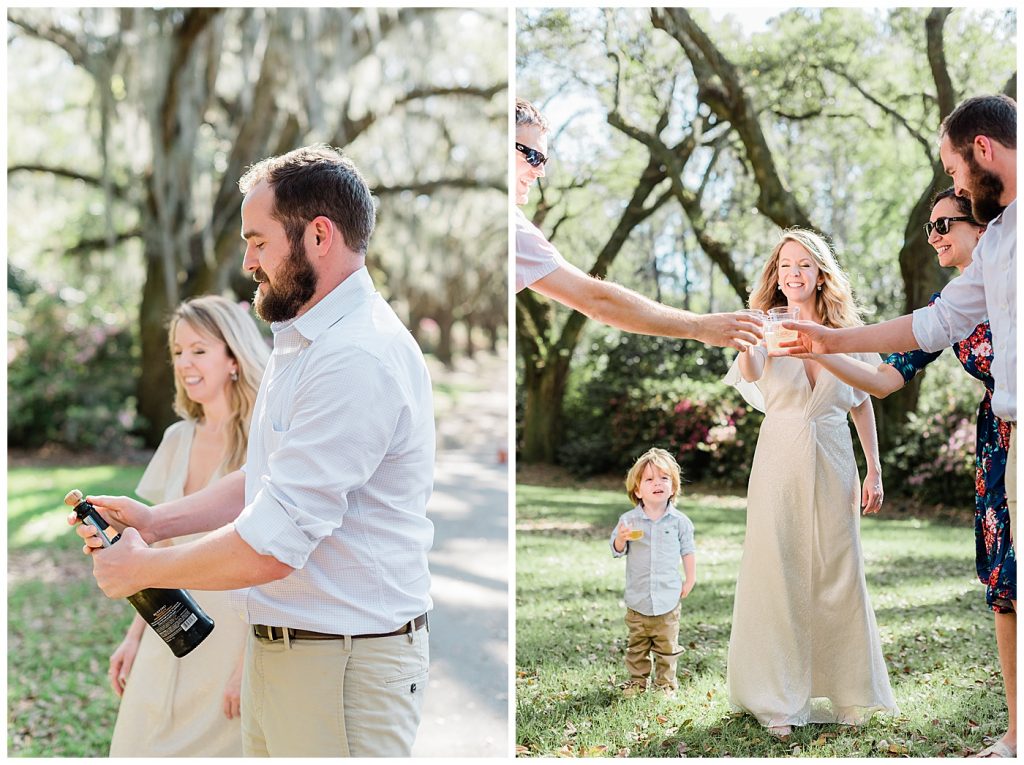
(119, 512)
(120, 569)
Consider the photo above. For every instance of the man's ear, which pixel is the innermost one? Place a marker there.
(983, 148)
(323, 231)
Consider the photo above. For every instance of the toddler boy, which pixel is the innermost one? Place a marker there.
(654, 536)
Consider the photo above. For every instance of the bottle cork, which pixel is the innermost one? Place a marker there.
(74, 498)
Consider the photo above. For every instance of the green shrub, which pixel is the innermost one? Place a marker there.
(71, 373)
(632, 392)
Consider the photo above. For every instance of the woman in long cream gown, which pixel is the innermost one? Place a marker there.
(804, 646)
(190, 706)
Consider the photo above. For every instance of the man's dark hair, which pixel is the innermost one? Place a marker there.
(992, 116)
(528, 114)
(963, 204)
(312, 181)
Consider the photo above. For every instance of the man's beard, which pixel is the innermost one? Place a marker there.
(985, 191)
(295, 285)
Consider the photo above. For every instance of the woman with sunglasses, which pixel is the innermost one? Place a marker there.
(953, 232)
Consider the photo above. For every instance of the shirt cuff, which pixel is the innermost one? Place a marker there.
(269, 530)
(616, 553)
(928, 330)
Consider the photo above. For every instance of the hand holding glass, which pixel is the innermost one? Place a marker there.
(774, 333)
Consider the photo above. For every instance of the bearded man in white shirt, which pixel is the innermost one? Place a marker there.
(978, 148)
(323, 533)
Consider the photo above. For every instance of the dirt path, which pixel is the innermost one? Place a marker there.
(466, 709)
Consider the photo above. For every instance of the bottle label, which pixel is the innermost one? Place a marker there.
(170, 620)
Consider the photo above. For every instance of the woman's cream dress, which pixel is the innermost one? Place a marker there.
(174, 707)
(804, 646)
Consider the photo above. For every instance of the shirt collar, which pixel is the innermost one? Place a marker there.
(1009, 211)
(331, 308)
(671, 510)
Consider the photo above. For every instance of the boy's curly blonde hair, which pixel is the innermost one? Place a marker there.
(660, 459)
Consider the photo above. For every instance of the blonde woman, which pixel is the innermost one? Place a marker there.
(804, 646)
(190, 707)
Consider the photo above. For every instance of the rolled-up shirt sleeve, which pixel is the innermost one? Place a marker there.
(344, 415)
(686, 543)
(959, 308)
(536, 257)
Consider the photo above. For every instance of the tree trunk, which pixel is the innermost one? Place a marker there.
(445, 323)
(155, 390)
(542, 410)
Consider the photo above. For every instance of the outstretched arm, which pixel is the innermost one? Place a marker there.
(879, 381)
(894, 336)
(619, 307)
(864, 421)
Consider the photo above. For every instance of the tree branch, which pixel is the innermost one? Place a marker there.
(721, 89)
(427, 187)
(102, 242)
(56, 35)
(925, 142)
(933, 26)
(437, 90)
(62, 172)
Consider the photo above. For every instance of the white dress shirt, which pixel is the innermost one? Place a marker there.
(536, 257)
(986, 289)
(339, 470)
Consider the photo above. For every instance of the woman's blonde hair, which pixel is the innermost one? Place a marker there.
(834, 302)
(219, 318)
(660, 459)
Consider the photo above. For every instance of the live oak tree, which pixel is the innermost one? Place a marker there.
(803, 124)
(181, 101)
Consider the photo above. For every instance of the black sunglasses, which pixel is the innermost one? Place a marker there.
(533, 157)
(942, 224)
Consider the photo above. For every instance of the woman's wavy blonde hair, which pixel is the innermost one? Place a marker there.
(660, 459)
(835, 302)
(219, 318)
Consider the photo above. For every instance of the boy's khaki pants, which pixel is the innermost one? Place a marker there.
(657, 635)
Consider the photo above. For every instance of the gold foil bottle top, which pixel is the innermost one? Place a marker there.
(73, 498)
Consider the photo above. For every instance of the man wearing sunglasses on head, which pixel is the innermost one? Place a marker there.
(978, 148)
(542, 268)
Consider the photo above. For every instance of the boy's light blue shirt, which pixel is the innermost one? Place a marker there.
(653, 580)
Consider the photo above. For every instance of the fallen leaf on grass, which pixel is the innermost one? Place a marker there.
(624, 752)
(520, 749)
(662, 719)
(596, 751)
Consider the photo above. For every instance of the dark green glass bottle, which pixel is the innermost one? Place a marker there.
(173, 614)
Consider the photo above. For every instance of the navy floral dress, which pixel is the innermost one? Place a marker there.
(994, 553)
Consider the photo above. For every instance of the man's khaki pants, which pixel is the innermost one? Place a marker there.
(657, 635)
(333, 698)
(1011, 478)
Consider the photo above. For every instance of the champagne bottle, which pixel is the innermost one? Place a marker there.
(173, 614)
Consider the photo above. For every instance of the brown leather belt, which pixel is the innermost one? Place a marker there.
(264, 632)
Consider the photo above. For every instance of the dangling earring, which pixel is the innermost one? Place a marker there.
(234, 372)
(819, 288)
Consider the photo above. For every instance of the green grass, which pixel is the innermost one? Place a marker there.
(60, 628)
(937, 636)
